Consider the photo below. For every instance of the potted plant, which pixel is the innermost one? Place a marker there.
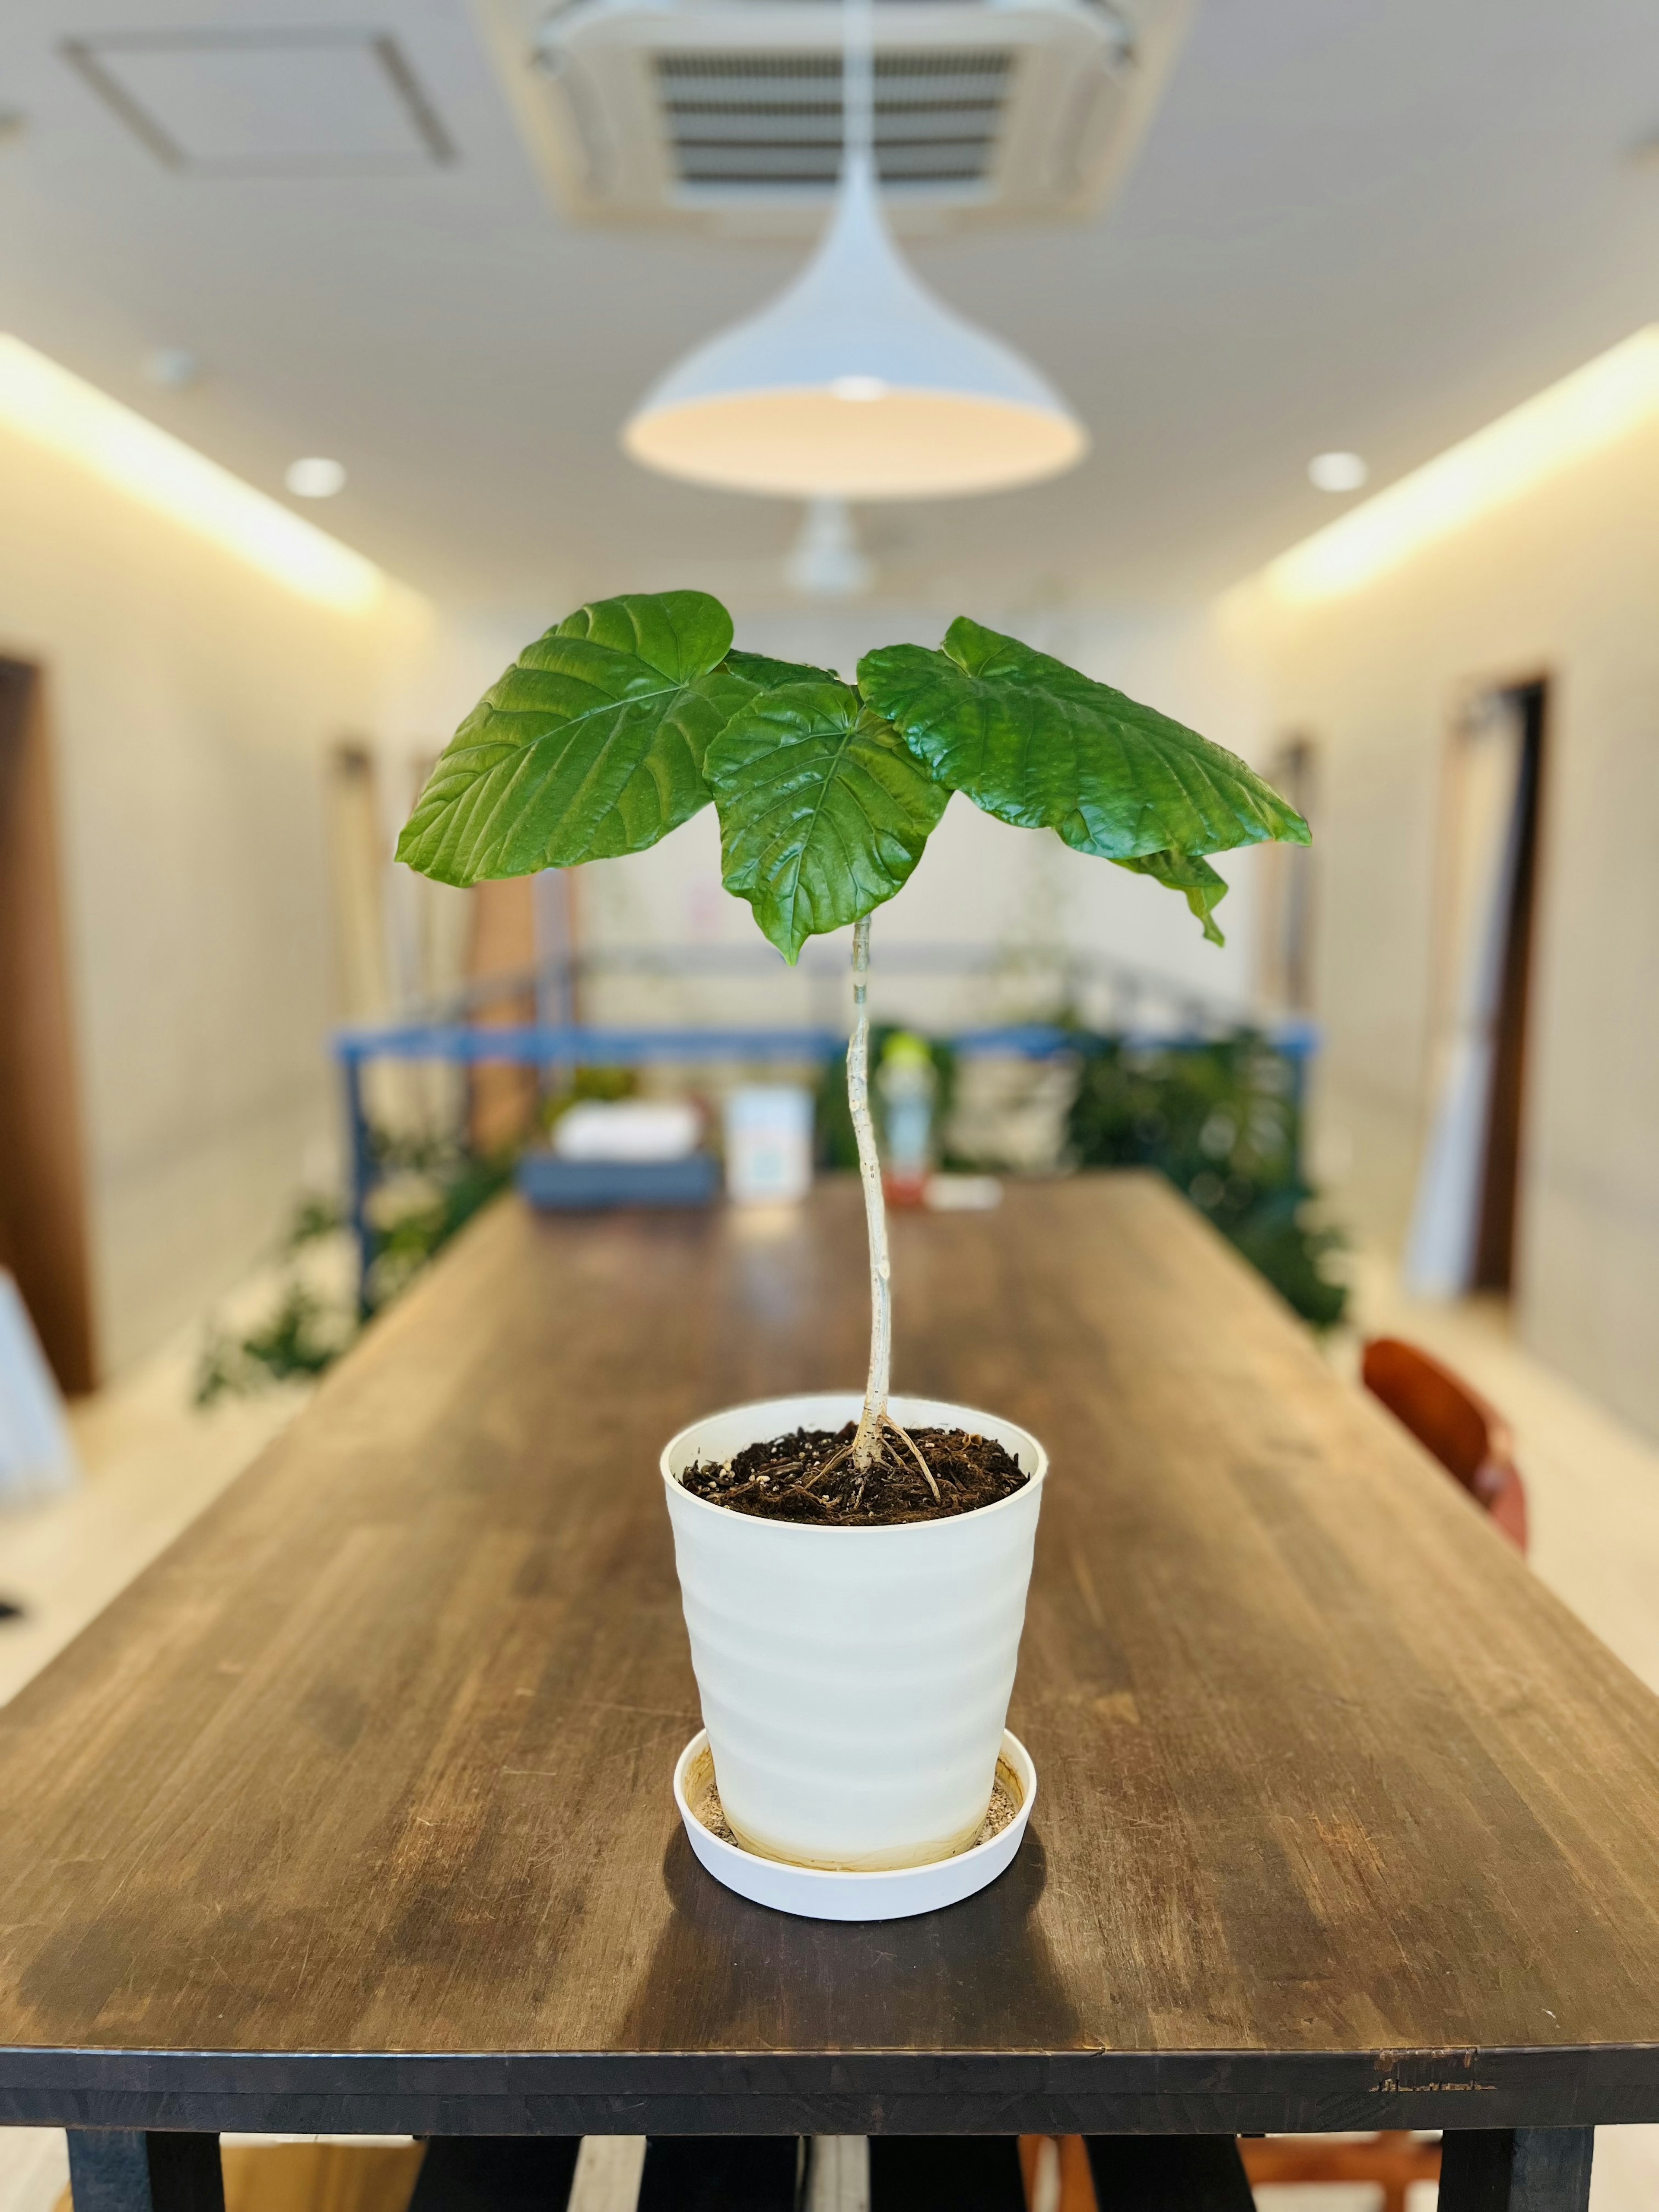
(854, 1568)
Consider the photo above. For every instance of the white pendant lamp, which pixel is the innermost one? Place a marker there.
(856, 382)
(826, 561)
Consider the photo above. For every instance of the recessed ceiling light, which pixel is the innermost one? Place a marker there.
(171, 367)
(1337, 471)
(314, 477)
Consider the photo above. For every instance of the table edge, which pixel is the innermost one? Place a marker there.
(855, 2093)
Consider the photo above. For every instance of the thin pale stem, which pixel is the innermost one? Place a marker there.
(857, 81)
(867, 1442)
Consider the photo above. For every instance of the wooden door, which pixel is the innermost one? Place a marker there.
(1462, 1235)
(1495, 1235)
(43, 1230)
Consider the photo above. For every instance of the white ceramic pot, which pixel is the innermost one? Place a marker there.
(855, 1681)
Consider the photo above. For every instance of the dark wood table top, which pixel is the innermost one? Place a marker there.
(353, 1812)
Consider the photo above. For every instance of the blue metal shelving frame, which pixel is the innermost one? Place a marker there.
(443, 1033)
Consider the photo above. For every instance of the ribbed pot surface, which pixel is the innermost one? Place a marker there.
(855, 1681)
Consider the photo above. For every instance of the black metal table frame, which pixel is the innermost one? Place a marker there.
(143, 2126)
(1482, 2170)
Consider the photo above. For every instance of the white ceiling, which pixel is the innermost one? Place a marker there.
(1367, 223)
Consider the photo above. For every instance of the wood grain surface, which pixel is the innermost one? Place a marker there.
(354, 1811)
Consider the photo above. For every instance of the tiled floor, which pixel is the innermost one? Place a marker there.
(153, 1463)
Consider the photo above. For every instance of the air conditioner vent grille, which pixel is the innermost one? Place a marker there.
(724, 116)
(928, 61)
(772, 121)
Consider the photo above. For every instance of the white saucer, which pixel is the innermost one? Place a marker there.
(825, 1893)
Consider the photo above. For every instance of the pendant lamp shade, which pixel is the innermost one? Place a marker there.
(856, 383)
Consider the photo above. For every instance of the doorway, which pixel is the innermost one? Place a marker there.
(43, 1236)
(1494, 1254)
(1287, 888)
(1463, 1228)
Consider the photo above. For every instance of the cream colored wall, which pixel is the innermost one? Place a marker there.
(1563, 582)
(192, 700)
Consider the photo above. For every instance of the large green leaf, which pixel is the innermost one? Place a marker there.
(765, 674)
(590, 745)
(1186, 872)
(1038, 744)
(824, 809)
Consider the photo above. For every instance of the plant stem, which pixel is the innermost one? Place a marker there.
(864, 1444)
(858, 144)
(857, 84)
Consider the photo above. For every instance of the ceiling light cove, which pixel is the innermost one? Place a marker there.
(54, 409)
(1597, 405)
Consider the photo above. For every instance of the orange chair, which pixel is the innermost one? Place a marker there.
(1470, 1438)
(1395, 2158)
(1076, 2185)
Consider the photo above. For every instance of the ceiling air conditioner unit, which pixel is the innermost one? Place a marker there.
(726, 113)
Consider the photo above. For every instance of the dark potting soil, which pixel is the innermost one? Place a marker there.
(809, 1476)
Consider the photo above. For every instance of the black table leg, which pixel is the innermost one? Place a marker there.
(720, 2174)
(1168, 2173)
(1515, 2170)
(946, 2174)
(494, 2173)
(109, 2170)
(121, 2170)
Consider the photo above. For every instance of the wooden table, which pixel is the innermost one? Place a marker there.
(353, 1813)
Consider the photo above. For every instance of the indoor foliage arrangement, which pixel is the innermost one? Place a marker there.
(796, 1524)
(1222, 1118)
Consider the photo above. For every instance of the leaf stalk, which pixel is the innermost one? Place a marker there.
(867, 1439)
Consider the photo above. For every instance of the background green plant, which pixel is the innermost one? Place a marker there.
(434, 1187)
(1222, 1121)
(302, 1337)
(1219, 1117)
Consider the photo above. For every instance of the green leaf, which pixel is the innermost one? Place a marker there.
(824, 809)
(590, 745)
(1038, 744)
(1185, 872)
(767, 674)
(679, 633)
